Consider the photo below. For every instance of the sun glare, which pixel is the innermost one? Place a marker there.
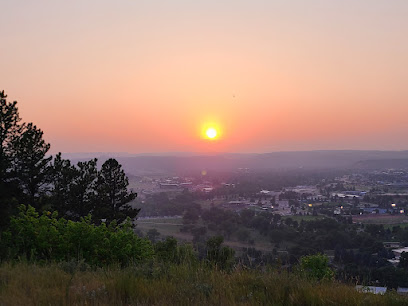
(211, 133)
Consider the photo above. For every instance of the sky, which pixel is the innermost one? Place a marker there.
(148, 76)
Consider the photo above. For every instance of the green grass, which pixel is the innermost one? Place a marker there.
(24, 284)
(384, 219)
(304, 218)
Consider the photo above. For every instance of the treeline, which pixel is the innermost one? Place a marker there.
(29, 175)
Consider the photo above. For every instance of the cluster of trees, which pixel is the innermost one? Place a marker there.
(384, 201)
(358, 251)
(29, 175)
(82, 189)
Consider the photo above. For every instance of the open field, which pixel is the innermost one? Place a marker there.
(304, 218)
(165, 226)
(381, 219)
(171, 227)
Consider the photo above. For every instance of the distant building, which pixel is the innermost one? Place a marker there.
(402, 291)
(186, 184)
(374, 210)
(372, 289)
(391, 245)
(237, 203)
(168, 185)
(228, 185)
(397, 254)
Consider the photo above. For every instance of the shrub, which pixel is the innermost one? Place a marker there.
(316, 267)
(48, 237)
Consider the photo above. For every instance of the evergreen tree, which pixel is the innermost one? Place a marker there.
(31, 166)
(83, 186)
(113, 195)
(9, 130)
(62, 175)
(28, 176)
(73, 191)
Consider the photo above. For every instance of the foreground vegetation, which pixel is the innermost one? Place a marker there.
(155, 284)
(48, 260)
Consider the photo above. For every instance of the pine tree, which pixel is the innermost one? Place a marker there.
(113, 195)
(9, 130)
(31, 166)
(62, 175)
(83, 193)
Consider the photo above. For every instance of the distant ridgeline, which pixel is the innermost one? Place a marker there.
(308, 160)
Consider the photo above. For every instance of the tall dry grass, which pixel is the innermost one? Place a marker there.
(62, 284)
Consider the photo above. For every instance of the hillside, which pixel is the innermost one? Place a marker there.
(70, 284)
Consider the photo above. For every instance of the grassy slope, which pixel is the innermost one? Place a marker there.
(23, 284)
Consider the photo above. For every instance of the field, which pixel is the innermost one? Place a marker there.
(381, 219)
(304, 218)
(165, 226)
(171, 227)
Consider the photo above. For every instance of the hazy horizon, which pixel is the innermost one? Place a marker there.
(136, 76)
(225, 152)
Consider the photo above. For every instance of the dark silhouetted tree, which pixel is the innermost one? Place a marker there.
(31, 166)
(9, 131)
(62, 175)
(404, 261)
(83, 188)
(113, 195)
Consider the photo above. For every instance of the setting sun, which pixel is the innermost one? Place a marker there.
(211, 133)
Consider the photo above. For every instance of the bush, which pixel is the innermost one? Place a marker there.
(316, 267)
(220, 256)
(48, 237)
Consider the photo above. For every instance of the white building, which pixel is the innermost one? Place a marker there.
(371, 289)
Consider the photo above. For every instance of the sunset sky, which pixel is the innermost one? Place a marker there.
(149, 76)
